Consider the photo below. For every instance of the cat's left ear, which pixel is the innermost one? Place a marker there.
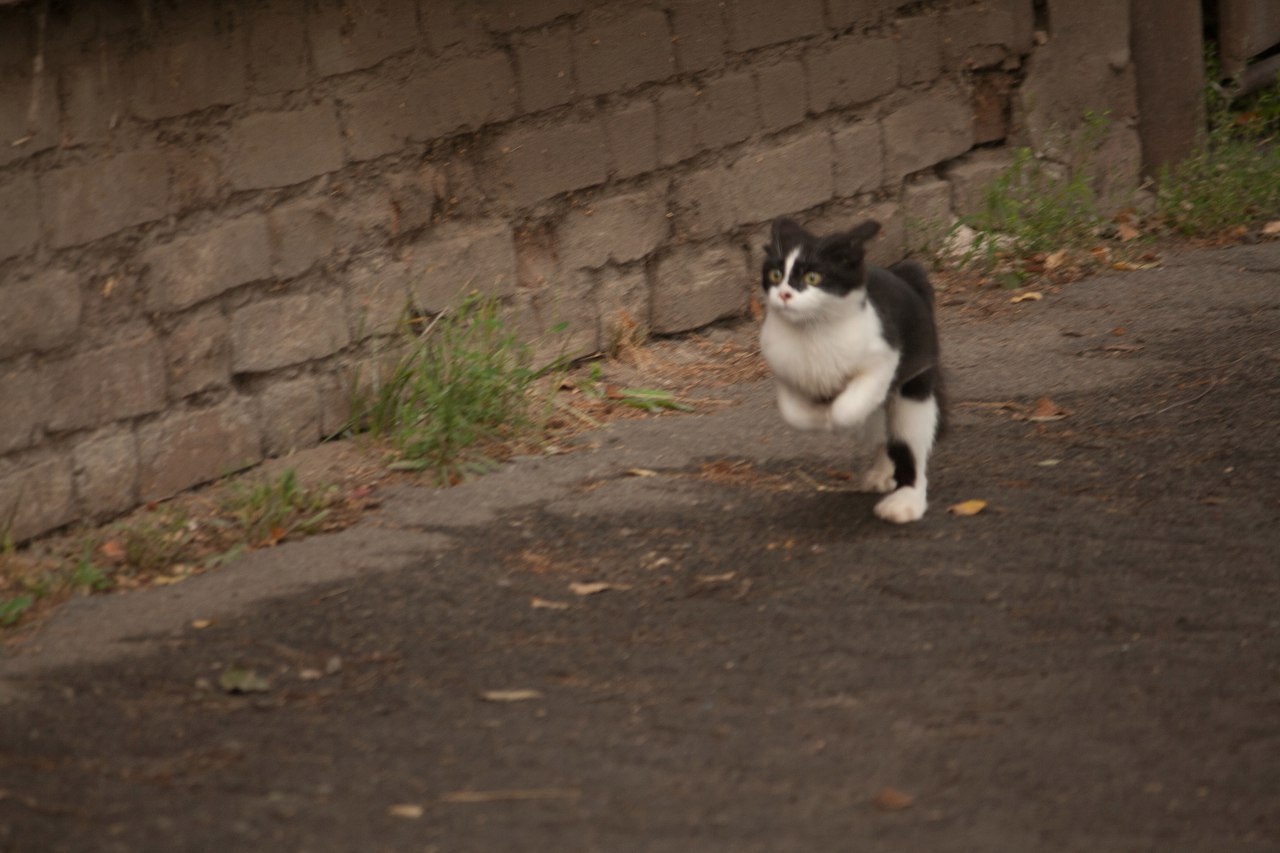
(864, 232)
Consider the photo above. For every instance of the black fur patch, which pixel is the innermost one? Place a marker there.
(904, 464)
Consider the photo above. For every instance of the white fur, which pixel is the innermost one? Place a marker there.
(820, 345)
(916, 423)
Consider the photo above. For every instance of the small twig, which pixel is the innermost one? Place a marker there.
(1213, 383)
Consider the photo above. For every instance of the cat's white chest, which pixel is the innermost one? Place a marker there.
(820, 358)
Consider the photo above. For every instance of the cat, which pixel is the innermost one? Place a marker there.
(852, 344)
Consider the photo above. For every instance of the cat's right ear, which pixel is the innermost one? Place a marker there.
(785, 232)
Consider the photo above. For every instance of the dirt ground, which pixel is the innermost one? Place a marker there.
(1090, 663)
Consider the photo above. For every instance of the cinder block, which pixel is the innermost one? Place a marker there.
(349, 36)
(619, 229)
(622, 300)
(336, 390)
(108, 384)
(106, 472)
(991, 106)
(919, 49)
(461, 257)
(37, 497)
(87, 202)
(530, 164)
(278, 47)
(185, 449)
(619, 51)
(784, 178)
(301, 234)
(283, 330)
(933, 127)
(754, 24)
(463, 94)
(196, 170)
(180, 73)
(844, 14)
(632, 132)
(984, 35)
(560, 320)
(40, 313)
(283, 148)
(853, 70)
(926, 213)
(699, 34)
(191, 269)
(93, 96)
(727, 111)
(972, 176)
(24, 132)
(783, 94)
(25, 392)
(448, 25)
(525, 14)
(677, 125)
(706, 202)
(289, 412)
(859, 152)
(198, 353)
(544, 61)
(697, 285)
(377, 295)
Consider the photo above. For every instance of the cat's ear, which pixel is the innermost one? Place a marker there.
(864, 232)
(785, 233)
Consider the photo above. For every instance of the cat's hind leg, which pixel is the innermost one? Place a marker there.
(913, 425)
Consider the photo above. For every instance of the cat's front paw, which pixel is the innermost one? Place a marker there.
(905, 505)
(879, 479)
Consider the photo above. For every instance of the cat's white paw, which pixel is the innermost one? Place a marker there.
(879, 479)
(905, 505)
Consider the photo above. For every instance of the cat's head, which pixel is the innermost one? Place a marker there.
(806, 276)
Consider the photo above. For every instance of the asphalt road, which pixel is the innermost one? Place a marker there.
(1090, 663)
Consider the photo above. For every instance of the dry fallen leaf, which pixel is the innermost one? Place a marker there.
(409, 810)
(235, 679)
(593, 587)
(640, 472)
(1029, 296)
(1055, 259)
(1130, 266)
(112, 550)
(1272, 229)
(546, 604)
(512, 794)
(510, 695)
(967, 508)
(892, 800)
(1127, 232)
(1046, 410)
(201, 624)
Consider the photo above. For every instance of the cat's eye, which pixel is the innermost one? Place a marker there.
(775, 275)
(812, 278)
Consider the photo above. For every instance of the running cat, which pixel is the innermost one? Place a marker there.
(850, 343)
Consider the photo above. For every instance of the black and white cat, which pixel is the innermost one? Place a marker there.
(852, 344)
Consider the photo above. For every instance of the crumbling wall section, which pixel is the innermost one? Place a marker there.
(210, 210)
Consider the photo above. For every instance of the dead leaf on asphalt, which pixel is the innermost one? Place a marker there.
(238, 679)
(968, 508)
(201, 624)
(412, 811)
(546, 604)
(1272, 229)
(892, 800)
(510, 695)
(1131, 266)
(640, 472)
(1029, 296)
(594, 587)
(1046, 410)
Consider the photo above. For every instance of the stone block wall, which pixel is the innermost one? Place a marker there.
(210, 210)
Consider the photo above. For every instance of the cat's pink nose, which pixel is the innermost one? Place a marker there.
(784, 295)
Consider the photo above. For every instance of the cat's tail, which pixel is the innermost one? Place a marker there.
(917, 278)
